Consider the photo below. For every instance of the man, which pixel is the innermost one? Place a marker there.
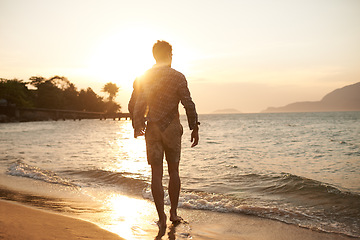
(154, 108)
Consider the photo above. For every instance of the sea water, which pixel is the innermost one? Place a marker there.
(298, 168)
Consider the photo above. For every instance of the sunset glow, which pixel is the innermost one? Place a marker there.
(122, 57)
(249, 54)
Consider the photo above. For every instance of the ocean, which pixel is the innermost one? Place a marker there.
(297, 168)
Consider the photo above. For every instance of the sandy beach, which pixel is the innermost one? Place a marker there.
(22, 222)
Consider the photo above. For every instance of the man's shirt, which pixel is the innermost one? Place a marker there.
(156, 98)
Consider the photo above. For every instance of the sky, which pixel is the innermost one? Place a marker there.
(245, 55)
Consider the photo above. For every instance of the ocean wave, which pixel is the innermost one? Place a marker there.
(224, 203)
(21, 169)
(288, 184)
(296, 200)
(318, 205)
(284, 213)
(128, 181)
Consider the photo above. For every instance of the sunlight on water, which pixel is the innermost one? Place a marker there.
(135, 150)
(130, 152)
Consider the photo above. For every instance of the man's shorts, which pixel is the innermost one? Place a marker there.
(160, 142)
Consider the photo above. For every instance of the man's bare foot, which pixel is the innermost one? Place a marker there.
(174, 217)
(162, 227)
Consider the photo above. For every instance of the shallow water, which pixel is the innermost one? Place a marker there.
(299, 168)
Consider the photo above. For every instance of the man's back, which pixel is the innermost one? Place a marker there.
(159, 92)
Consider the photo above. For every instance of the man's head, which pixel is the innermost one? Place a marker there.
(162, 52)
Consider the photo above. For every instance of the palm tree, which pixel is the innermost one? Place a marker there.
(111, 89)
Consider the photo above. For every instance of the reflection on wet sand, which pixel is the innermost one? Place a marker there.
(136, 219)
(128, 217)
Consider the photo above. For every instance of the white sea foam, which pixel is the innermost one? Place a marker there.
(203, 201)
(22, 169)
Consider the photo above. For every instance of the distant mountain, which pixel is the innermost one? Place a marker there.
(228, 110)
(342, 99)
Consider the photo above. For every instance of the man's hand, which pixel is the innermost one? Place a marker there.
(139, 132)
(195, 136)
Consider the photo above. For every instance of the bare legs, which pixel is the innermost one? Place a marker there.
(174, 190)
(158, 193)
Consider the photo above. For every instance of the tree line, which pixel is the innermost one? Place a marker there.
(57, 93)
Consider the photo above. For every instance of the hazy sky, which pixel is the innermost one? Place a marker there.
(247, 55)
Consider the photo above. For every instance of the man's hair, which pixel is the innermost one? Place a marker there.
(161, 50)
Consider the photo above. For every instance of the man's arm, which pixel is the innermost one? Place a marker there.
(191, 113)
(132, 101)
(136, 107)
(195, 136)
(139, 116)
(188, 104)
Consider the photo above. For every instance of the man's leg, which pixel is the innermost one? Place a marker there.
(174, 189)
(155, 155)
(158, 193)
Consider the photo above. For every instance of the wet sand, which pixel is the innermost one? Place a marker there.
(211, 225)
(21, 222)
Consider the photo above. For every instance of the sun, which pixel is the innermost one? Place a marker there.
(126, 54)
(121, 57)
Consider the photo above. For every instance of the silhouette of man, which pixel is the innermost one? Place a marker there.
(154, 109)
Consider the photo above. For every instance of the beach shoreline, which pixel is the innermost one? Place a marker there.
(264, 189)
(18, 221)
